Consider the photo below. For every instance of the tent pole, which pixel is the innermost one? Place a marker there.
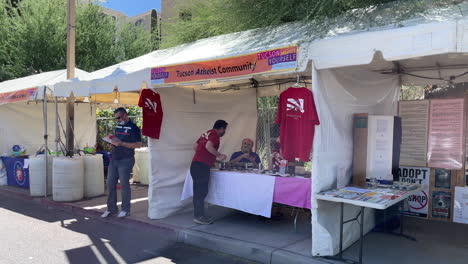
(57, 128)
(46, 164)
(71, 35)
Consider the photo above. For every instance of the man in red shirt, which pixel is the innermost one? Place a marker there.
(206, 152)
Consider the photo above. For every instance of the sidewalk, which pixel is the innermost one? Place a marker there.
(251, 237)
(274, 240)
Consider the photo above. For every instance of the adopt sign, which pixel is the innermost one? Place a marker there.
(417, 204)
(280, 59)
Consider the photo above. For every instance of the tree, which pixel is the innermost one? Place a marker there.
(134, 41)
(33, 38)
(39, 28)
(207, 18)
(10, 65)
(95, 38)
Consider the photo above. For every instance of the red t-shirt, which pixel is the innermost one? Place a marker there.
(202, 154)
(297, 117)
(152, 113)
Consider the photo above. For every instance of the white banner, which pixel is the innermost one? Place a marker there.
(417, 204)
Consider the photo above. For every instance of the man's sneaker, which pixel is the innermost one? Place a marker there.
(203, 220)
(123, 214)
(106, 214)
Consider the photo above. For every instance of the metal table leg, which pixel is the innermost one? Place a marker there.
(341, 229)
(399, 233)
(295, 220)
(361, 237)
(361, 246)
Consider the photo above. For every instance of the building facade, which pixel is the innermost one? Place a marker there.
(149, 20)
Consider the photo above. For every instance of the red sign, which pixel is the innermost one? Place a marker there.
(16, 96)
(280, 59)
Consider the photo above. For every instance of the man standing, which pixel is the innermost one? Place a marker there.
(128, 138)
(206, 152)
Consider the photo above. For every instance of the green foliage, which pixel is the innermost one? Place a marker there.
(207, 18)
(134, 41)
(268, 102)
(215, 17)
(39, 32)
(412, 93)
(95, 34)
(10, 65)
(33, 38)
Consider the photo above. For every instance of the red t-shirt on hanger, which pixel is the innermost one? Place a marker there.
(150, 101)
(297, 117)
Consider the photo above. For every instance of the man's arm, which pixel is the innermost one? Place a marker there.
(210, 147)
(130, 145)
(238, 159)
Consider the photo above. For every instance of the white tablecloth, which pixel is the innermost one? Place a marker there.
(248, 192)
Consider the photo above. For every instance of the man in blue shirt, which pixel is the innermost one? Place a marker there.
(121, 166)
(246, 155)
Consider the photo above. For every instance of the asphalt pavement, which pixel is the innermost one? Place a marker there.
(33, 233)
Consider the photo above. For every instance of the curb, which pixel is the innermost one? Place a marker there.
(244, 249)
(238, 248)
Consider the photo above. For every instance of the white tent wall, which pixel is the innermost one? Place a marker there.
(23, 124)
(188, 114)
(339, 93)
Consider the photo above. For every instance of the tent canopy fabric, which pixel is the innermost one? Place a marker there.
(129, 75)
(38, 80)
(350, 39)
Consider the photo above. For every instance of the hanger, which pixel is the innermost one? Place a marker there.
(297, 84)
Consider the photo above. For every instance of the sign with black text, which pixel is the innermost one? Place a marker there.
(416, 204)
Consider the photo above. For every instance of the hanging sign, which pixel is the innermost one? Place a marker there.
(446, 134)
(16, 96)
(280, 59)
(416, 204)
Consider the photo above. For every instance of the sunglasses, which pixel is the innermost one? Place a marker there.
(118, 117)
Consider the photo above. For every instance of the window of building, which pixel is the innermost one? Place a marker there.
(139, 22)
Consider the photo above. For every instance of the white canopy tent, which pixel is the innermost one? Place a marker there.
(362, 72)
(357, 67)
(21, 114)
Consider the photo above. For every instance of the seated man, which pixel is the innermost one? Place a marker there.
(246, 155)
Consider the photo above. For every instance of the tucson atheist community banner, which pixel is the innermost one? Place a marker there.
(280, 59)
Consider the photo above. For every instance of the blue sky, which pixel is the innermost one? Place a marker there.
(133, 7)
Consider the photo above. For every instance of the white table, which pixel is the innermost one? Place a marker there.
(248, 192)
(363, 204)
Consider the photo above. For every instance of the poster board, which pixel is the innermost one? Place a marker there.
(446, 138)
(460, 214)
(442, 185)
(380, 148)
(418, 204)
(415, 122)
